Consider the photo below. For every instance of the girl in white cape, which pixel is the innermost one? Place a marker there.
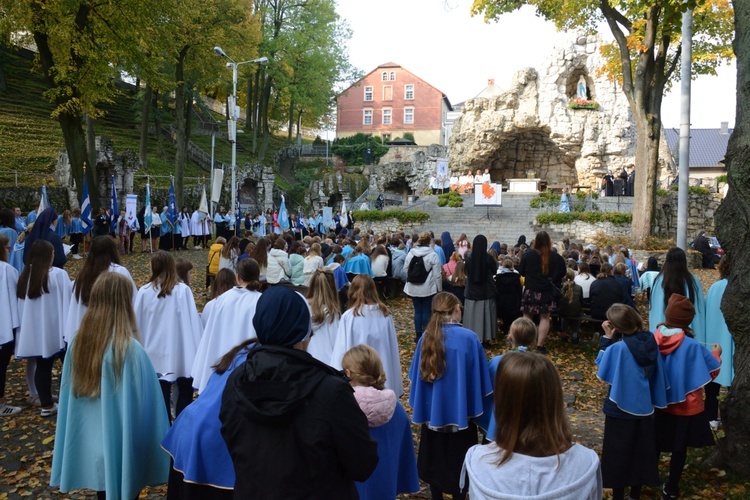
(44, 297)
(229, 323)
(325, 313)
(103, 256)
(368, 321)
(170, 328)
(11, 320)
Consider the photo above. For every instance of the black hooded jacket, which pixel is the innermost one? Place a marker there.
(294, 429)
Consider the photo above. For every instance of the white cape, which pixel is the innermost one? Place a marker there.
(77, 310)
(229, 323)
(323, 339)
(170, 329)
(378, 332)
(43, 318)
(8, 302)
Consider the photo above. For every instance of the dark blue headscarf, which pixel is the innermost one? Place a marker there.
(282, 317)
(495, 246)
(39, 231)
(447, 244)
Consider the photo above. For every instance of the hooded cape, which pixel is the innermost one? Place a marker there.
(717, 332)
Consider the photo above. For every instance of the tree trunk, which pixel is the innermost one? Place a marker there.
(143, 144)
(733, 228)
(71, 124)
(180, 125)
(291, 121)
(91, 141)
(250, 104)
(646, 172)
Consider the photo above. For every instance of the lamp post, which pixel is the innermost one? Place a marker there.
(234, 115)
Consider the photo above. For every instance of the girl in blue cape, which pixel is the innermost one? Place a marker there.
(396, 472)
(449, 378)
(635, 372)
(522, 337)
(689, 366)
(111, 416)
(676, 278)
(717, 332)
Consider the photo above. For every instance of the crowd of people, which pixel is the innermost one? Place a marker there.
(295, 359)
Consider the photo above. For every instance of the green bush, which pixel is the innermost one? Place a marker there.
(545, 199)
(452, 199)
(402, 216)
(353, 149)
(698, 190)
(661, 192)
(721, 178)
(590, 217)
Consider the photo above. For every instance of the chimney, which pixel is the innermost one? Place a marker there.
(724, 128)
(491, 82)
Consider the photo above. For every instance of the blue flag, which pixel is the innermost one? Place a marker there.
(43, 201)
(172, 205)
(237, 213)
(148, 211)
(283, 215)
(114, 212)
(86, 223)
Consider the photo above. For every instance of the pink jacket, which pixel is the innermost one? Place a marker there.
(378, 406)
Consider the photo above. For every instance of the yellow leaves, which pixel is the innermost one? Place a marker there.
(48, 440)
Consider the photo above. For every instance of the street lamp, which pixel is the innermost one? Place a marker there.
(234, 115)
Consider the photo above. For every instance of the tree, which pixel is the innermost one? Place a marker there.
(646, 45)
(733, 226)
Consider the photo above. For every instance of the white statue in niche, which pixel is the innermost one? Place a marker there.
(582, 87)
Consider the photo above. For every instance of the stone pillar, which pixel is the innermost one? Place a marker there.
(267, 181)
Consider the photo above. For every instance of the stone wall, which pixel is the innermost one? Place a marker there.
(701, 211)
(406, 169)
(584, 231)
(387, 226)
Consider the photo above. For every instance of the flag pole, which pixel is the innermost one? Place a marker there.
(85, 236)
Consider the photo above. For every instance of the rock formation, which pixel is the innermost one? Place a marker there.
(532, 129)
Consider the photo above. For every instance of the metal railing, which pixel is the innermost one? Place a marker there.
(24, 177)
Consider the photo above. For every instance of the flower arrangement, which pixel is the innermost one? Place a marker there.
(582, 103)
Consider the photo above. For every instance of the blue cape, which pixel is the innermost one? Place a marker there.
(358, 265)
(634, 388)
(396, 472)
(441, 254)
(656, 313)
(717, 332)
(486, 421)
(341, 279)
(688, 368)
(447, 241)
(194, 441)
(457, 396)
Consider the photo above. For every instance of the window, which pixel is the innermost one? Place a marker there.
(368, 93)
(393, 76)
(385, 76)
(386, 137)
(387, 92)
(408, 92)
(386, 116)
(367, 117)
(408, 116)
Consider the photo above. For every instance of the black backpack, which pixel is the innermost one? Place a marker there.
(417, 272)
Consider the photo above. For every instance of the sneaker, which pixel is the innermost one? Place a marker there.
(665, 495)
(77, 257)
(715, 424)
(541, 349)
(6, 410)
(48, 412)
(34, 400)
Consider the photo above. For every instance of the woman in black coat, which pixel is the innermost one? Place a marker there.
(543, 270)
(291, 423)
(480, 312)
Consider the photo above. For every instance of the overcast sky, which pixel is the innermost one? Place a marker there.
(441, 43)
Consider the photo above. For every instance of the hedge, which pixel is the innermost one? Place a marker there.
(402, 216)
(590, 217)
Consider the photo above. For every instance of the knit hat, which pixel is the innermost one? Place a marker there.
(679, 312)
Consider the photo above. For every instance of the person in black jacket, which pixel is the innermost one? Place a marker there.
(605, 291)
(543, 270)
(291, 423)
(509, 293)
(480, 313)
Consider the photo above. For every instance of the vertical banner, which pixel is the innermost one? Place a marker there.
(442, 168)
(327, 217)
(131, 207)
(283, 215)
(147, 213)
(216, 182)
(114, 211)
(344, 218)
(86, 223)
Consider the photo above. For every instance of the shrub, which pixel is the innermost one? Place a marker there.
(602, 239)
(589, 217)
(698, 190)
(545, 199)
(452, 199)
(403, 216)
(721, 178)
(662, 192)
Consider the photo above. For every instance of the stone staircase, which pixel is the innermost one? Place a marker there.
(505, 224)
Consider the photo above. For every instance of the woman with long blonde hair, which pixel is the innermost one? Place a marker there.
(170, 327)
(326, 314)
(368, 321)
(533, 454)
(449, 377)
(111, 417)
